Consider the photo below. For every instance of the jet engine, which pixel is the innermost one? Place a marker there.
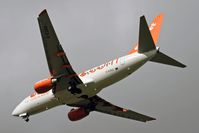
(44, 85)
(78, 114)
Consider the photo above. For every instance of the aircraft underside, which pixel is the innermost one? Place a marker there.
(66, 87)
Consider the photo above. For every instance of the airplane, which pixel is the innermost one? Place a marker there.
(66, 87)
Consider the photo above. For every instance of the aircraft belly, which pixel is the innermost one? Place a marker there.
(40, 107)
(95, 82)
(88, 89)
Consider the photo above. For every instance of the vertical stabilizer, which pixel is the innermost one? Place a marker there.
(154, 28)
(146, 42)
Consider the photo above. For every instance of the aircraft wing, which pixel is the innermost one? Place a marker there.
(103, 106)
(108, 108)
(57, 61)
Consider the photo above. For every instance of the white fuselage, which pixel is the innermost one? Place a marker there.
(94, 81)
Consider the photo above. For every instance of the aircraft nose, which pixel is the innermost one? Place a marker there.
(15, 112)
(20, 109)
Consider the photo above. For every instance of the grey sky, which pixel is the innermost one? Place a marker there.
(93, 32)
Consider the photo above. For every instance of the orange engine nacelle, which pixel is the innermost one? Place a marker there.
(44, 85)
(78, 114)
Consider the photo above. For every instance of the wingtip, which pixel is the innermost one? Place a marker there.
(151, 119)
(141, 17)
(43, 12)
(181, 65)
(184, 66)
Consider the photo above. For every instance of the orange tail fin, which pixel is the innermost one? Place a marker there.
(154, 29)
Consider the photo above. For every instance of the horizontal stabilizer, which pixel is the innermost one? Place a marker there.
(164, 59)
